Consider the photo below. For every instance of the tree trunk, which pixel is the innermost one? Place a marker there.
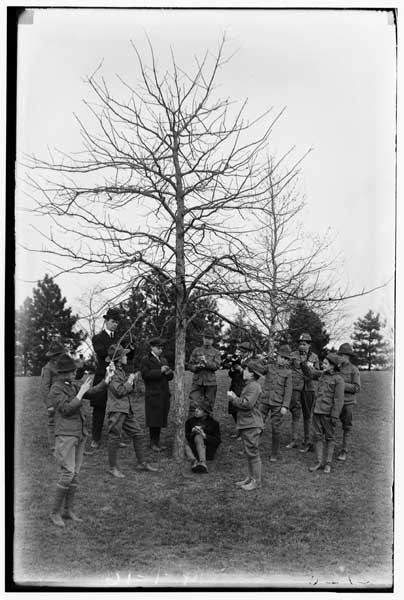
(179, 389)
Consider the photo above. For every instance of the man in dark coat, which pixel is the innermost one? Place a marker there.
(101, 342)
(156, 374)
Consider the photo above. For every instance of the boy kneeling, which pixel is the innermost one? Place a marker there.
(202, 435)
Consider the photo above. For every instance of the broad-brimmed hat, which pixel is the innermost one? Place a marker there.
(346, 349)
(209, 333)
(245, 346)
(115, 352)
(284, 351)
(55, 348)
(156, 341)
(305, 337)
(256, 367)
(333, 358)
(112, 313)
(65, 364)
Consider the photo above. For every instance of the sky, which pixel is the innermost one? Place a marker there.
(333, 70)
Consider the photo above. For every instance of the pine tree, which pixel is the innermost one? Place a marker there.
(304, 320)
(368, 343)
(41, 319)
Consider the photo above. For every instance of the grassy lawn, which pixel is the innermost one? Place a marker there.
(178, 528)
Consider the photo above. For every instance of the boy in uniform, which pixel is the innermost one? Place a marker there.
(250, 423)
(303, 392)
(70, 433)
(276, 395)
(238, 361)
(48, 377)
(327, 408)
(123, 411)
(351, 377)
(204, 362)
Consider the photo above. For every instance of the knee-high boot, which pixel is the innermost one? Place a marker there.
(69, 502)
(329, 455)
(113, 453)
(276, 438)
(56, 514)
(138, 445)
(318, 447)
(293, 442)
(345, 440)
(255, 482)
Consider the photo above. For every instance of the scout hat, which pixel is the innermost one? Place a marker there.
(209, 333)
(256, 367)
(284, 351)
(112, 313)
(305, 337)
(115, 352)
(346, 349)
(333, 358)
(65, 364)
(156, 341)
(55, 348)
(245, 346)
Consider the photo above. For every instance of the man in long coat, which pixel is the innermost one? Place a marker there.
(101, 342)
(156, 374)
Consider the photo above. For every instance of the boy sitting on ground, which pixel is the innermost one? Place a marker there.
(202, 435)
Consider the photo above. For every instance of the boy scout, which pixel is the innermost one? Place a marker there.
(351, 377)
(276, 395)
(48, 376)
(204, 362)
(303, 392)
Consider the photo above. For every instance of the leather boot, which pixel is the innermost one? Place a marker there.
(69, 502)
(276, 438)
(318, 447)
(293, 442)
(329, 455)
(138, 446)
(113, 453)
(56, 516)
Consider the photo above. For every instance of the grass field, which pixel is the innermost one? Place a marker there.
(178, 528)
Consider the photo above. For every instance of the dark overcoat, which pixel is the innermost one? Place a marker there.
(157, 391)
(101, 342)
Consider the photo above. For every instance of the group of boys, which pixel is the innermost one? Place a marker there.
(288, 385)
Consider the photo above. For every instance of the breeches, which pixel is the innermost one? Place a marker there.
(323, 426)
(251, 439)
(346, 417)
(202, 395)
(119, 422)
(69, 450)
(301, 401)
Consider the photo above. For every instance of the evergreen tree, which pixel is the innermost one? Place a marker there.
(304, 320)
(41, 319)
(368, 344)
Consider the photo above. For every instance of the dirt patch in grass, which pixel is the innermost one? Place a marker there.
(174, 528)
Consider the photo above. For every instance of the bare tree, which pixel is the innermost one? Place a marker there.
(292, 265)
(174, 180)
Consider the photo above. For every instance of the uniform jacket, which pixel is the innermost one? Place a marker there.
(206, 375)
(157, 391)
(211, 428)
(101, 342)
(122, 396)
(70, 417)
(248, 412)
(277, 389)
(330, 392)
(300, 381)
(350, 374)
(48, 377)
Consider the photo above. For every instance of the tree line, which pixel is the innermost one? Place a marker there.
(150, 310)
